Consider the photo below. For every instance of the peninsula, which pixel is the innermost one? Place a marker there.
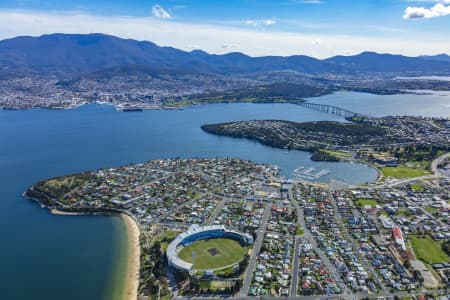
(382, 140)
(159, 196)
(276, 237)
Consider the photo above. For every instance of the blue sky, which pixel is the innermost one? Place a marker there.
(319, 28)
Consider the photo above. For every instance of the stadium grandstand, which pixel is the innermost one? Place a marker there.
(197, 233)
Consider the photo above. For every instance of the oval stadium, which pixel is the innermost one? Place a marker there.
(207, 249)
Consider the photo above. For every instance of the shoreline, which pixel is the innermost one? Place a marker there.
(131, 285)
(131, 280)
(58, 212)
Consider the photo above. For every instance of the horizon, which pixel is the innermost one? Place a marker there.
(316, 28)
(298, 149)
(226, 53)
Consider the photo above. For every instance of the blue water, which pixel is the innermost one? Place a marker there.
(434, 104)
(43, 256)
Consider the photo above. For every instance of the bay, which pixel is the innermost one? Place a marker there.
(433, 104)
(44, 256)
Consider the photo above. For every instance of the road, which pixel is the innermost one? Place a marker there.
(217, 211)
(256, 248)
(436, 174)
(355, 247)
(294, 275)
(434, 169)
(397, 182)
(310, 238)
(356, 296)
(436, 162)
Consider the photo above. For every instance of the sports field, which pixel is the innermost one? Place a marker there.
(428, 250)
(213, 253)
(362, 202)
(407, 170)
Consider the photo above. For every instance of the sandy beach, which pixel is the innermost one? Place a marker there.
(133, 263)
(131, 284)
(64, 213)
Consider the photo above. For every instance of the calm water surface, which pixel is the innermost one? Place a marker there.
(52, 257)
(436, 104)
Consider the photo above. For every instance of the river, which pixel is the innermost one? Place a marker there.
(44, 256)
(433, 104)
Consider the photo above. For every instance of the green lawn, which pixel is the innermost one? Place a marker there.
(430, 209)
(428, 250)
(337, 153)
(417, 187)
(403, 212)
(165, 238)
(227, 252)
(225, 271)
(409, 170)
(214, 285)
(362, 202)
(300, 230)
(178, 104)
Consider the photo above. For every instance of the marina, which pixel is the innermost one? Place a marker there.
(106, 138)
(310, 173)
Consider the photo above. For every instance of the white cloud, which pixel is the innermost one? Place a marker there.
(211, 38)
(230, 47)
(438, 10)
(159, 12)
(258, 23)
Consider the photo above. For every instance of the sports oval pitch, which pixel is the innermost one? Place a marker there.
(213, 254)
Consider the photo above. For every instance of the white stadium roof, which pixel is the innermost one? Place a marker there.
(172, 249)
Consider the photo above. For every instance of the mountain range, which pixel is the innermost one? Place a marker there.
(72, 55)
(439, 57)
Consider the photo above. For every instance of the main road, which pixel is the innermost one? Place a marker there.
(436, 162)
(402, 181)
(256, 248)
(310, 238)
(217, 210)
(355, 247)
(355, 296)
(294, 277)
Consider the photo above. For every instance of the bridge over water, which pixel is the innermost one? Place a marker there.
(331, 109)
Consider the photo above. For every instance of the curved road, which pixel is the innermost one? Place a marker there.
(434, 169)
(436, 162)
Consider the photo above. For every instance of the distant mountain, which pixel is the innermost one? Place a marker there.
(76, 54)
(388, 63)
(72, 55)
(238, 62)
(439, 57)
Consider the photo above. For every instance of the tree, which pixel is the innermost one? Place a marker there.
(446, 247)
(407, 264)
(417, 276)
(194, 283)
